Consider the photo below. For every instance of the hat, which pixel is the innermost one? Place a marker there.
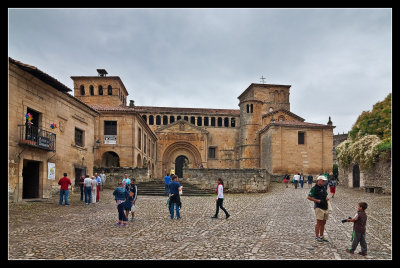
(322, 178)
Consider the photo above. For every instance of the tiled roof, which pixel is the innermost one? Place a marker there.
(211, 111)
(284, 111)
(105, 108)
(297, 124)
(41, 75)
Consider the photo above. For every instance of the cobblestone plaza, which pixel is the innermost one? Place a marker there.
(278, 225)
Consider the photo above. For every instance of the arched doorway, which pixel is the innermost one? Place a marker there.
(110, 159)
(181, 162)
(356, 176)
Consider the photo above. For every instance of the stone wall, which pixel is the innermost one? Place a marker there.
(115, 175)
(380, 175)
(235, 180)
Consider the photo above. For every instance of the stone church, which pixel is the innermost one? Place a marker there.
(262, 133)
(95, 128)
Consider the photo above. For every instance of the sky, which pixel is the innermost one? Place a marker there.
(338, 61)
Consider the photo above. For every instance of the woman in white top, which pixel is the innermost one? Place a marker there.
(220, 199)
(94, 189)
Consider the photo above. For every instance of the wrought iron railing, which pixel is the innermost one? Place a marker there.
(37, 137)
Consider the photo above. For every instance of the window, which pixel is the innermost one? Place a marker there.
(100, 90)
(144, 118)
(226, 122)
(206, 121)
(158, 120)
(233, 123)
(79, 137)
(140, 138)
(247, 108)
(110, 127)
(82, 89)
(199, 121)
(301, 137)
(211, 152)
(186, 118)
(165, 120)
(178, 117)
(213, 121)
(109, 90)
(151, 120)
(192, 120)
(171, 119)
(144, 143)
(251, 108)
(91, 90)
(219, 121)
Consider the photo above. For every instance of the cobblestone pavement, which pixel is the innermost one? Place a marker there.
(274, 225)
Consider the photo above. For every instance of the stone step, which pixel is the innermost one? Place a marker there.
(156, 188)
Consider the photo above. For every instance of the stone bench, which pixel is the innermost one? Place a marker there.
(373, 189)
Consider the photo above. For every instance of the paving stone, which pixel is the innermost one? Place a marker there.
(275, 225)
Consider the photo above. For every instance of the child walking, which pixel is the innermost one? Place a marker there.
(220, 199)
(359, 228)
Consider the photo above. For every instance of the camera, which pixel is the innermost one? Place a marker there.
(343, 221)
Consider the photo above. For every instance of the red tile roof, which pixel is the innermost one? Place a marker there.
(297, 124)
(210, 111)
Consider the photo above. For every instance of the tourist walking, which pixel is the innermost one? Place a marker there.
(174, 198)
(167, 180)
(88, 189)
(122, 208)
(98, 179)
(320, 198)
(220, 199)
(64, 190)
(332, 187)
(359, 228)
(310, 180)
(301, 181)
(94, 189)
(81, 186)
(286, 180)
(103, 178)
(296, 179)
(133, 188)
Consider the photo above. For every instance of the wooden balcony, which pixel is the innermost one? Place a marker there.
(36, 137)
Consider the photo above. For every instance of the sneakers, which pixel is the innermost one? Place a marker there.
(122, 224)
(132, 219)
(227, 216)
(363, 253)
(318, 239)
(349, 251)
(214, 217)
(325, 239)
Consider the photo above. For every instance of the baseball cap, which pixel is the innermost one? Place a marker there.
(322, 178)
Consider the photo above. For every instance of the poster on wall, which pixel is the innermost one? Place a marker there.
(51, 171)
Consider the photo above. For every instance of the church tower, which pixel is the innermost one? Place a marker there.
(256, 101)
(100, 90)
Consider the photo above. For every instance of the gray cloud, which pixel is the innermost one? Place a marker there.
(338, 61)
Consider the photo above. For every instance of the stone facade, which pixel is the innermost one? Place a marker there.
(379, 176)
(31, 90)
(235, 180)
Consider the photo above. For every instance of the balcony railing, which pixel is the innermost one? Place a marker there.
(37, 137)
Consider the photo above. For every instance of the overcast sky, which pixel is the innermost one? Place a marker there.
(337, 61)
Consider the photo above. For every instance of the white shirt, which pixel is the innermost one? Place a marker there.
(220, 191)
(296, 177)
(87, 182)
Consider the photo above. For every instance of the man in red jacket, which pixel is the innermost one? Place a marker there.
(64, 182)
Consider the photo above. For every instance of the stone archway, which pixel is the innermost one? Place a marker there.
(177, 149)
(181, 162)
(110, 159)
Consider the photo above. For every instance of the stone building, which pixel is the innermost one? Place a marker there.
(263, 134)
(37, 154)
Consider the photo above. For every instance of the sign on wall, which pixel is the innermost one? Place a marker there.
(110, 139)
(51, 171)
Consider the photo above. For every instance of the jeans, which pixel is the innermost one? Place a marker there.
(358, 238)
(219, 205)
(121, 212)
(66, 194)
(166, 189)
(171, 210)
(81, 193)
(88, 195)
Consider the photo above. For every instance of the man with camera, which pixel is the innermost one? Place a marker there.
(319, 196)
